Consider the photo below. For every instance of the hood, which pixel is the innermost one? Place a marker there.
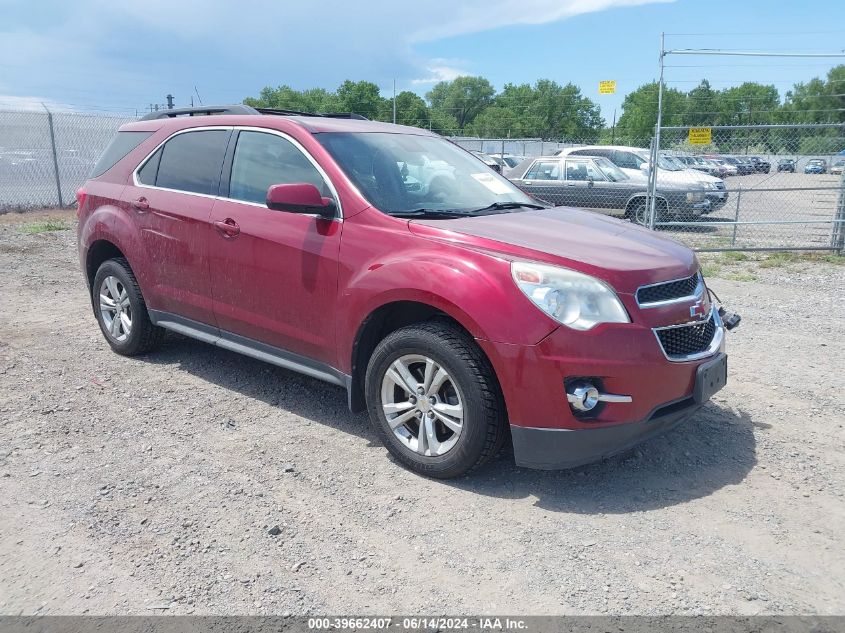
(622, 253)
(672, 179)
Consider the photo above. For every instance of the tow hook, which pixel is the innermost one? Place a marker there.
(730, 319)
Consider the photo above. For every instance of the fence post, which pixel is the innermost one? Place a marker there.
(838, 237)
(55, 155)
(736, 214)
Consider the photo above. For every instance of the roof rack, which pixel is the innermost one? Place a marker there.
(239, 108)
(329, 115)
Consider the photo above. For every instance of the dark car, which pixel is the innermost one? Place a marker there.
(760, 165)
(461, 315)
(786, 164)
(596, 183)
(743, 168)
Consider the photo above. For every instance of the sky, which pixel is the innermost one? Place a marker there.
(111, 55)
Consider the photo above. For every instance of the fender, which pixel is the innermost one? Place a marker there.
(478, 282)
(113, 224)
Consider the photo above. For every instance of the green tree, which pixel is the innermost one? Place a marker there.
(410, 109)
(361, 97)
(464, 98)
(639, 112)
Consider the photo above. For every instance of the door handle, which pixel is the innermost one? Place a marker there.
(141, 204)
(228, 227)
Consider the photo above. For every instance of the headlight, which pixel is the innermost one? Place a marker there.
(695, 196)
(571, 298)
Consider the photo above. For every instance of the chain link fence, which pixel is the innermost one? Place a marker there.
(46, 156)
(749, 187)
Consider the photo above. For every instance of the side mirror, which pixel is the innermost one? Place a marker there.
(644, 167)
(300, 198)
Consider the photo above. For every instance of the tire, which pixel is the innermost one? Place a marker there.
(638, 212)
(115, 279)
(470, 386)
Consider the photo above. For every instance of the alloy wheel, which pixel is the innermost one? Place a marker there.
(422, 405)
(115, 308)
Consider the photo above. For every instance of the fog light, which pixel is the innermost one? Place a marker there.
(583, 397)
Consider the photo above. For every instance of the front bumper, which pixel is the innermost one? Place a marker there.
(551, 449)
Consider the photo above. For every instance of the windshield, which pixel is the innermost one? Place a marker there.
(401, 173)
(663, 161)
(675, 164)
(613, 173)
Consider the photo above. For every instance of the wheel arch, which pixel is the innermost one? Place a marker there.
(381, 321)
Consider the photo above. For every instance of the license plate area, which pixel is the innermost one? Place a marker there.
(710, 378)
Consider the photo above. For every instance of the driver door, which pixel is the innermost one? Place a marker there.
(274, 274)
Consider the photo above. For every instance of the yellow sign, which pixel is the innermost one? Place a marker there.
(607, 87)
(700, 136)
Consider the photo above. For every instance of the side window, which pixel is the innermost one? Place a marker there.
(264, 159)
(582, 170)
(626, 160)
(543, 170)
(147, 174)
(192, 161)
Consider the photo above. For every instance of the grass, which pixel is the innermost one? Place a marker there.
(741, 266)
(47, 226)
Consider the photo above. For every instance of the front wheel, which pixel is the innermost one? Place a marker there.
(434, 400)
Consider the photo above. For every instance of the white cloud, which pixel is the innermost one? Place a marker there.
(473, 16)
(442, 70)
(14, 102)
(125, 55)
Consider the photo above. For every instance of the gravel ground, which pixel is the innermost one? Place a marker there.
(198, 481)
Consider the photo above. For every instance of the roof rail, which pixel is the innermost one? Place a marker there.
(237, 108)
(330, 115)
(240, 108)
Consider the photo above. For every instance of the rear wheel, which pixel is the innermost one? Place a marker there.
(434, 401)
(121, 311)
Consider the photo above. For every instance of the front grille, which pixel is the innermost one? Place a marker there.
(686, 340)
(668, 291)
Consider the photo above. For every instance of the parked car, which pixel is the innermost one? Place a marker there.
(786, 164)
(837, 166)
(699, 164)
(717, 193)
(596, 183)
(492, 163)
(743, 168)
(760, 165)
(634, 162)
(510, 160)
(729, 168)
(816, 166)
(451, 315)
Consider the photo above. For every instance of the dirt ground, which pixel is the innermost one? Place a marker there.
(150, 485)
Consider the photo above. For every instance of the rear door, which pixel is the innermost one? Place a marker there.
(543, 180)
(171, 197)
(274, 274)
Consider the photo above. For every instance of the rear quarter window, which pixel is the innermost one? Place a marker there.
(120, 146)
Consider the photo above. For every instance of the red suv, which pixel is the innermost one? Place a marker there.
(455, 308)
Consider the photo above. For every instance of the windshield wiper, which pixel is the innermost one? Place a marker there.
(431, 213)
(504, 206)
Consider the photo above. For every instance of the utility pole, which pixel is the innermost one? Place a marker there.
(169, 102)
(613, 129)
(394, 101)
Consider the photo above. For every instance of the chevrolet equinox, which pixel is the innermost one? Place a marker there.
(456, 309)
